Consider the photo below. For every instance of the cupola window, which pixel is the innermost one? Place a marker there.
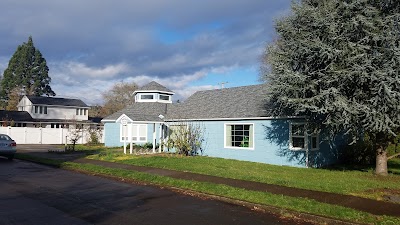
(146, 97)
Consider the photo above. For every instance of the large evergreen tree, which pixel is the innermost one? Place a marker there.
(338, 62)
(26, 71)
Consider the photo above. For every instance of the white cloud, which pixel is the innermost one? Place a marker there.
(108, 71)
(89, 45)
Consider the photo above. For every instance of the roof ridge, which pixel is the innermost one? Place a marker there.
(51, 97)
(228, 89)
(153, 86)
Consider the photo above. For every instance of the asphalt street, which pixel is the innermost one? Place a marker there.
(35, 194)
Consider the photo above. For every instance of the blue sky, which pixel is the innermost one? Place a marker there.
(184, 45)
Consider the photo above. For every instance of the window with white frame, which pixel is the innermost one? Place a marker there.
(164, 97)
(138, 132)
(146, 96)
(297, 132)
(239, 136)
(298, 139)
(40, 109)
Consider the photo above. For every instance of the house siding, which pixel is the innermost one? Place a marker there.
(269, 147)
(112, 135)
(53, 111)
(271, 143)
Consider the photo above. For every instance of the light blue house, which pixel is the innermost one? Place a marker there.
(229, 117)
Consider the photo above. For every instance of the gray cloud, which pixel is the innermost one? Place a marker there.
(87, 42)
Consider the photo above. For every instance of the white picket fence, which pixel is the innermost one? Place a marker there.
(33, 135)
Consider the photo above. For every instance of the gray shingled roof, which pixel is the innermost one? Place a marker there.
(154, 86)
(237, 102)
(142, 111)
(40, 100)
(15, 116)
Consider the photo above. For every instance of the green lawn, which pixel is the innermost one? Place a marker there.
(360, 183)
(394, 166)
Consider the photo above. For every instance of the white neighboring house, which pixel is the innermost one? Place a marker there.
(53, 112)
(49, 120)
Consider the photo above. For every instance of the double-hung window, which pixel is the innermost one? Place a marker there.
(298, 138)
(239, 136)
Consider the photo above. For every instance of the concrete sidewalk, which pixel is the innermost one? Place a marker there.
(362, 204)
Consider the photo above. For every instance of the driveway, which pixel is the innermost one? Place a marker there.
(37, 148)
(37, 194)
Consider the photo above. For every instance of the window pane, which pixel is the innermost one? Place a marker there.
(298, 142)
(239, 135)
(45, 110)
(146, 97)
(235, 143)
(134, 130)
(142, 130)
(238, 138)
(238, 127)
(77, 111)
(314, 142)
(298, 129)
(164, 97)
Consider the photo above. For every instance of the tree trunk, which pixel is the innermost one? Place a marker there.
(381, 161)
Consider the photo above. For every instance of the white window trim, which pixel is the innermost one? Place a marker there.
(234, 147)
(162, 100)
(128, 130)
(307, 138)
(299, 136)
(146, 100)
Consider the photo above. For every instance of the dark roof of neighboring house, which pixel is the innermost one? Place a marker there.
(6, 115)
(237, 102)
(95, 119)
(154, 86)
(142, 111)
(40, 100)
(234, 103)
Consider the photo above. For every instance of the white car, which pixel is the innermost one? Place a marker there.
(8, 147)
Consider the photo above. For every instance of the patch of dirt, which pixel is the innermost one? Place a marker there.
(383, 194)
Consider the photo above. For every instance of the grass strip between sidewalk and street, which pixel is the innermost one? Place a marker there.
(290, 203)
(358, 182)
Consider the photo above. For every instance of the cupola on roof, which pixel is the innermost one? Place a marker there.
(154, 87)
